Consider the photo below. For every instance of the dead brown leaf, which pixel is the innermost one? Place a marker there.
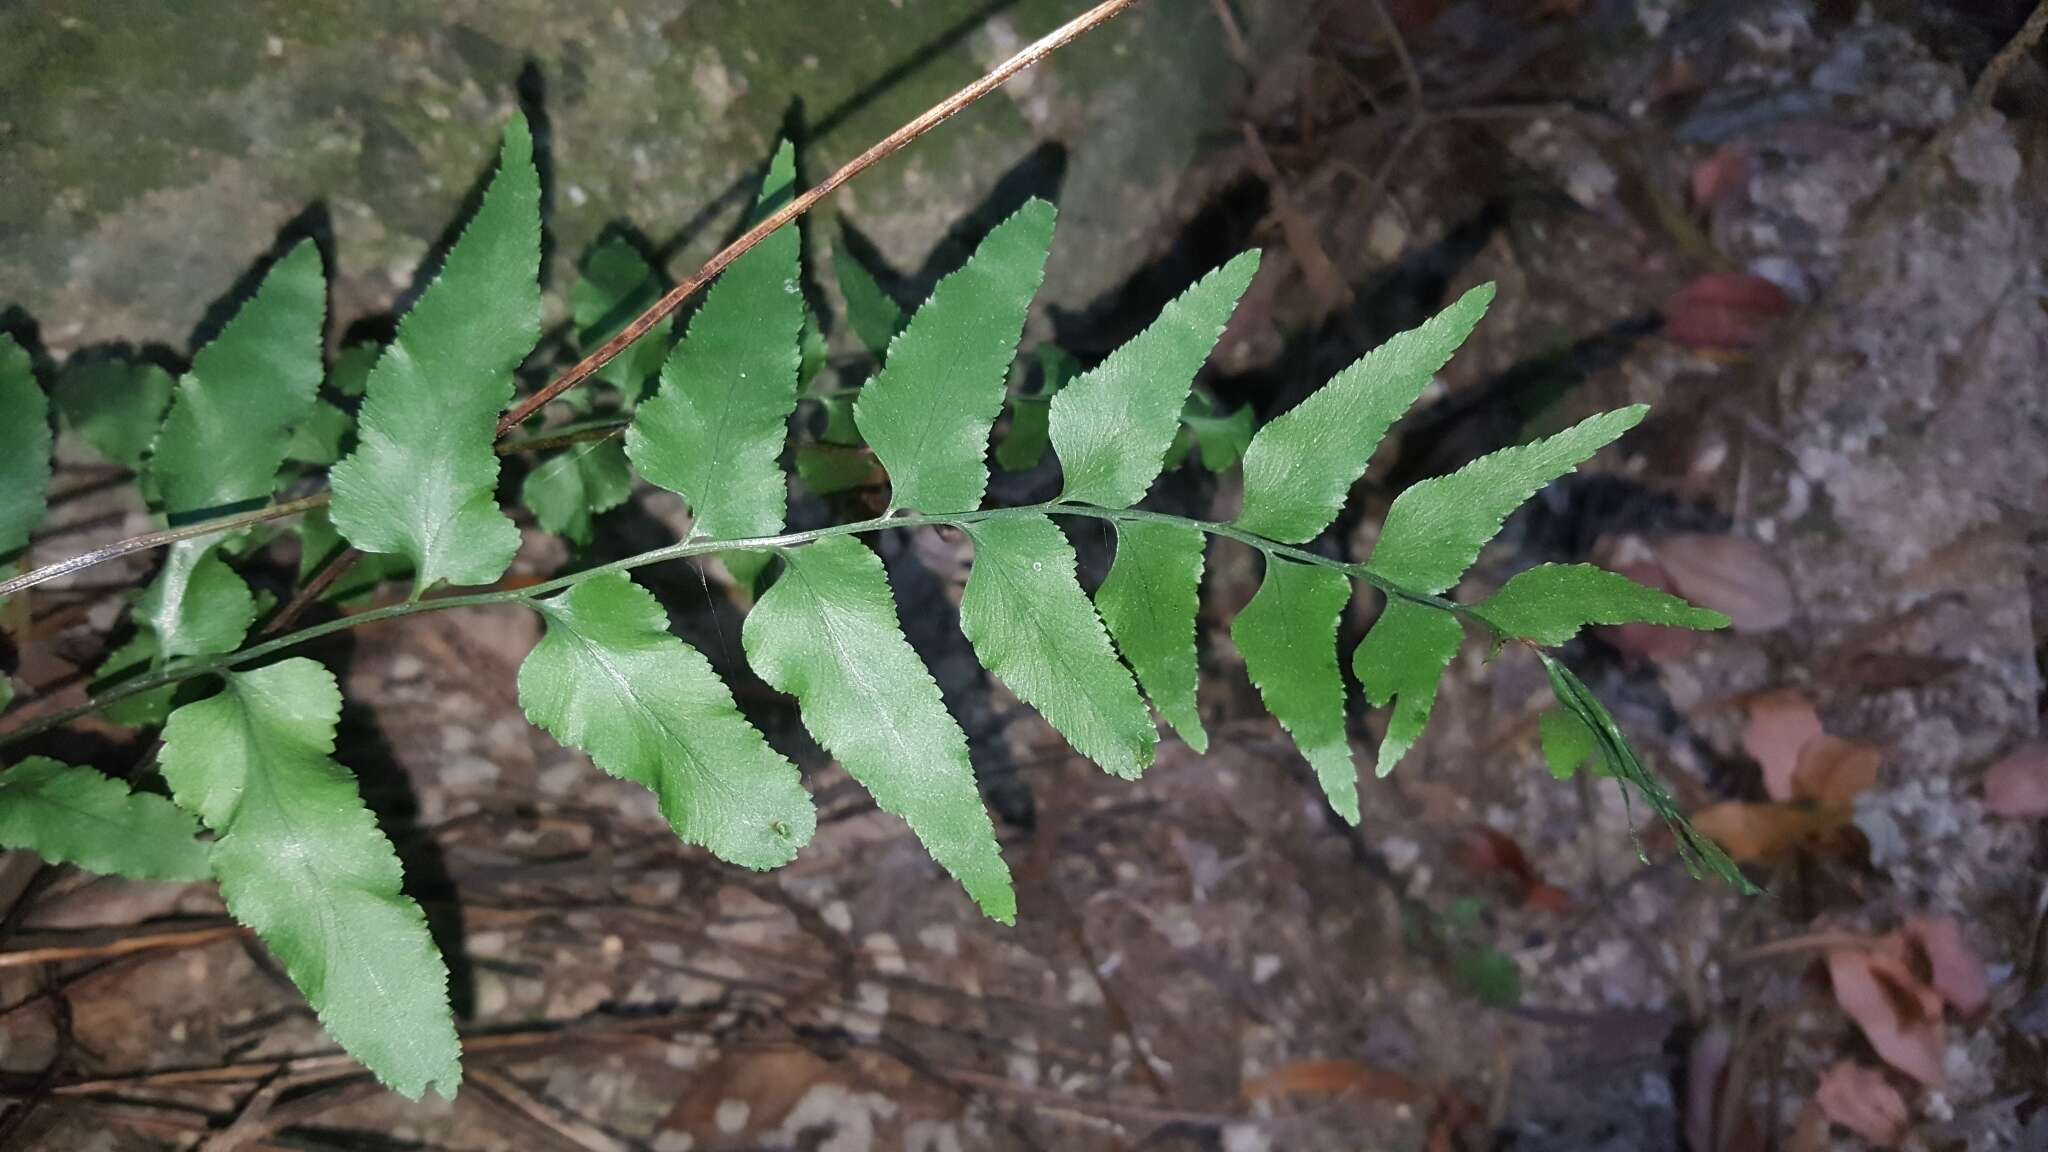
(1958, 972)
(1751, 833)
(1832, 771)
(1899, 1014)
(1781, 725)
(1334, 1078)
(1724, 310)
(2017, 786)
(1719, 174)
(1732, 575)
(1859, 1098)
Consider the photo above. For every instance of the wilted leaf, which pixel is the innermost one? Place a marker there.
(1724, 310)
(1323, 1078)
(1781, 725)
(1732, 575)
(1832, 771)
(2017, 786)
(1859, 1098)
(1958, 971)
(1754, 832)
(1719, 174)
(1899, 1015)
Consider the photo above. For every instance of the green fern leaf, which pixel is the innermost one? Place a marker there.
(303, 864)
(350, 375)
(1033, 627)
(1400, 662)
(24, 449)
(874, 316)
(1701, 855)
(1222, 440)
(1287, 635)
(715, 429)
(319, 544)
(1148, 603)
(567, 489)
(1301, 466)
(197, 605)
(928, 413)
(1567, 742)
(608, 678)
(1030, 415)
(616, 283)
(135, 658)
(233, 415)
(1111, 428)
(114, 406)
(827, 633)
(829, 468)
(71, 815)
(1435, 529)
(421, 481)
(317, 441)
(1551, 602)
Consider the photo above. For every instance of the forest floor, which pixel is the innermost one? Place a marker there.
(1812, 236)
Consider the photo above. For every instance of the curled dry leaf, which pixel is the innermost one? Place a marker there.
(1334, 1078)
(1899, 1015)
(1490, 852)
(1732, 575)
(1719, 174)
(1752, 833)
(1781, 725)
(1958, 971)
(1859, 1098)
(2017, 786)
(1832, 771)
(1724, 310)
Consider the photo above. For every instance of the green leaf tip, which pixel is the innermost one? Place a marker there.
(1435, 529)
(1548, 604)
(827, 633)
(928, 413)
(1031, 625)
(24, 449)
(422, 480)
(1287, 635)
(608, 678)
(1148, 602)
(1299, 468)
(302, 862)
(1113, 425)
(714, 432)
(233, 415)
(76, 816)
(1400, 661)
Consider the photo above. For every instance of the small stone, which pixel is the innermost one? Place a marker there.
(731, 1116)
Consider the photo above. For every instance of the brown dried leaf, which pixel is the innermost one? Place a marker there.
(1751, 833)
(1725, 310)
(1832, 771)
(1958, 972)
(2017, 786)
(1781, 724)
(1719, 174)
(1859, 1098)
(1334, 1078)
(1731, 575)
(1899, 1015)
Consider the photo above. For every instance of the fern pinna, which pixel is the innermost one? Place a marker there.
(258, 802)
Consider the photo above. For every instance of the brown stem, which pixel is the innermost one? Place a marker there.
(583, 369)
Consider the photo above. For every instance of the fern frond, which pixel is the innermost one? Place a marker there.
(302, 863)
(77, 816)
(1287, 635)
(421, 482)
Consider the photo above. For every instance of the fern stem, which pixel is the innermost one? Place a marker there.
(698, 546)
